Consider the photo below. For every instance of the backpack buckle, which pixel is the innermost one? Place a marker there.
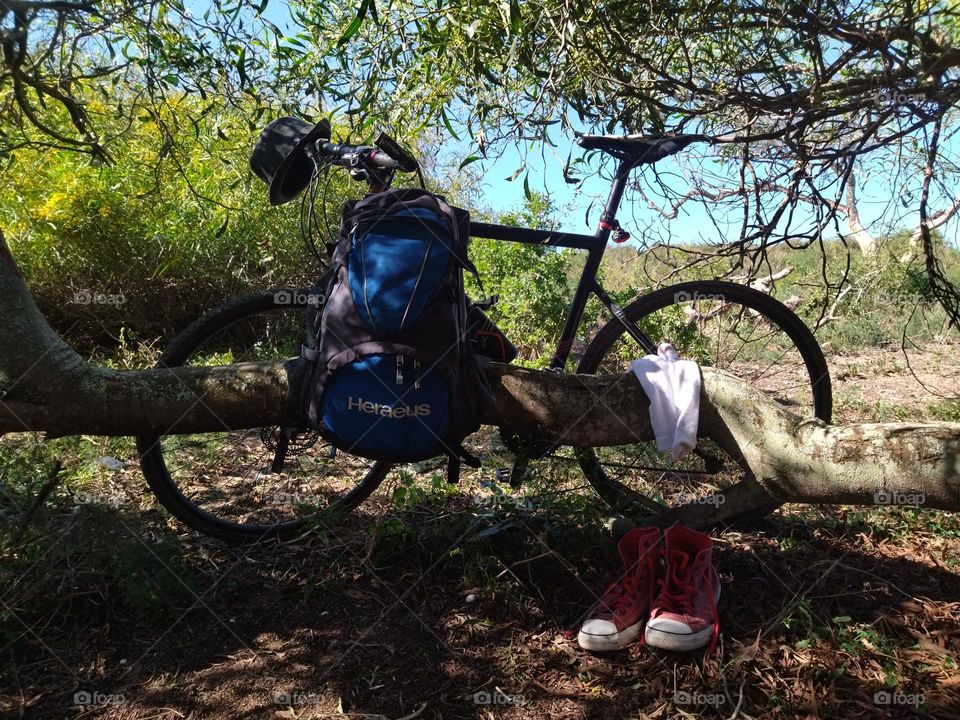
(488, 302)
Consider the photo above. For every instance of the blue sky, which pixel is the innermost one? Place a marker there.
(545, 174)
(878, 196)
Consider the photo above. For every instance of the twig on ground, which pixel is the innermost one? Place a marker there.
(52, 481)
(415, 713)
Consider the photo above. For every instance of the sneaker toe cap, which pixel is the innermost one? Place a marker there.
(672, 625)
(599, 628)
(601, 635)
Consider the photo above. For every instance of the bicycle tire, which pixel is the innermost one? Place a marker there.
(150, 447)
(770, 308)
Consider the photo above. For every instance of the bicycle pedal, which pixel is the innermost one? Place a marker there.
(516, 473)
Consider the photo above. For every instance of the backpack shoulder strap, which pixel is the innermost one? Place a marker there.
(460, 221)
(459, 454)
(316, 299)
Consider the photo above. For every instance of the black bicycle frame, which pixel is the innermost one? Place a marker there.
(595, 245)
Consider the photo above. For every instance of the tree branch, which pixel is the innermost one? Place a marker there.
(46, 387)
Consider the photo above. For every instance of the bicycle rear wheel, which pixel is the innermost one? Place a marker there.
(717, 324)
(219, 483)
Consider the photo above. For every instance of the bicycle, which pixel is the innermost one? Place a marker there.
(711, 321)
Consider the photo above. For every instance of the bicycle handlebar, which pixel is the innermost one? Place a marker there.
(356, 156)
(385, 155)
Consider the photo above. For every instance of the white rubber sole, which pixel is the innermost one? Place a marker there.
(679, 641)
(609, 643)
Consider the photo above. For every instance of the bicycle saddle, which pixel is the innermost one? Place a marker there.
(642, 149)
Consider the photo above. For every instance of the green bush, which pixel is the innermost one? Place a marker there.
(531, 281)
(175, 224)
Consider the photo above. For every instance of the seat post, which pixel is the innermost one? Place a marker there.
(609, 214)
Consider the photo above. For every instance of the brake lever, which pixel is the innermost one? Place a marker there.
(362, 169)
(389, 146)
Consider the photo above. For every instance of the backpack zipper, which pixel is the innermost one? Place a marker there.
(416, 374)
(363, 270)
(416, 285)
(399, 369)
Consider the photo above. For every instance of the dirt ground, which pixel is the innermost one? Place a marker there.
(443, 612)
(890, 384)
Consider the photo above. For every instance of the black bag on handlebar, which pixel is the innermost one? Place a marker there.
(388, 371)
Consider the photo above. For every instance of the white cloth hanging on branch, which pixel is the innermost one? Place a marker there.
(673, 387)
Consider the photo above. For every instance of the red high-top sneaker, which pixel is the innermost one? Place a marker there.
(684, 613)
(618, 617)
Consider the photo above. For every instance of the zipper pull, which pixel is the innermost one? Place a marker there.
(399, 369)
(416, 374)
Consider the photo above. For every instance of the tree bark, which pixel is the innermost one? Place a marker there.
(862, 236)
(46, 387)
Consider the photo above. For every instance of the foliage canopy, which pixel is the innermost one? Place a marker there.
(817, 96)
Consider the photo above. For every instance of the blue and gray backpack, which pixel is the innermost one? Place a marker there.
(388, 371)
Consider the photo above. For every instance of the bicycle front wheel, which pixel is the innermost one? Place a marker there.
(219, 483)
(717, 324)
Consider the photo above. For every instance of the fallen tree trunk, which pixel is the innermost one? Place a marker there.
(46, 387)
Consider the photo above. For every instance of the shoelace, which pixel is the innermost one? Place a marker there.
(676, 595)
(616, 596)
(676, 590)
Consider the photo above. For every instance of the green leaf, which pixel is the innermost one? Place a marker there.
(448, 124)
(468, 160)
(354, 25)
(526, 187)
(242, 67)
(515, 17)
(516, 173)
